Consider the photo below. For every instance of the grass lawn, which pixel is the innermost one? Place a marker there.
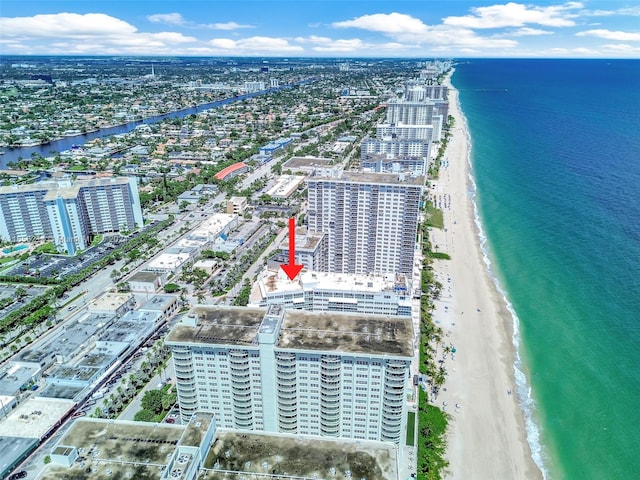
(435, 218)
(411, 428)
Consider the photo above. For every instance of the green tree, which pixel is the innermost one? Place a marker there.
(171, 288)
(152, 401)
(144, 416)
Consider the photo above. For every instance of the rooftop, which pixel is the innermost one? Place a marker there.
(64, 188)
(220, 325)
(337, 175)
(345, 332)
(262, 456)
(111, 449)
(109, 301)
(306, 162)
(276, 281)
(222, 174)
(144, 277)
(285, 186)
(35, 417)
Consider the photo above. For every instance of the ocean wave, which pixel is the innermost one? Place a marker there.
(526, 403)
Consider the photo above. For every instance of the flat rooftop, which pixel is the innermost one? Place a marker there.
(220, 325)
(345, 332)
(119, 449)
(144, 277)
(13, 449)
(304, 240)
(266, 456)
(158, 303)
(35, 417)
(109, 301)
(306, 162)
(196, 429)
(109, 449)
(365, 177)
(273, 282)
(14, 375)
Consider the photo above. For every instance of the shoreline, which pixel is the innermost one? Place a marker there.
(489, 429)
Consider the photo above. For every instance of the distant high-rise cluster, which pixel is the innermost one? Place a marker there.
(403, 142)
(69, 212)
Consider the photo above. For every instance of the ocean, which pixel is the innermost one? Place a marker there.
(556, 163)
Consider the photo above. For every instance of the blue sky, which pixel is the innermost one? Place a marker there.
(327, 28)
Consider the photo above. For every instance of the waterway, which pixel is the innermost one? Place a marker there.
(14, 154)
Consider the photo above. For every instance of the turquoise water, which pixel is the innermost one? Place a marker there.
(556, 161)
(17, 248)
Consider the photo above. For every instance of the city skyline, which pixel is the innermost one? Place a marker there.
(322, 28)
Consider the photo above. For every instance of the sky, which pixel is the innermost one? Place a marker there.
(322, 28)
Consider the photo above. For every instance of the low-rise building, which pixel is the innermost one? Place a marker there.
(112, 304)
(236, 205)
(285, 186)
(146, 282)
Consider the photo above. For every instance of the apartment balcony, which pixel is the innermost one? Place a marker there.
(289, 374)
(288, 402)
(181, 356)
(187, 389)
(244, 424)
(394, 384)
(329, 411)
(393, 402)
(330, 397)
(239, 369)
(240, 383)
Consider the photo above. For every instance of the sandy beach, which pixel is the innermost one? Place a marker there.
(486, 436)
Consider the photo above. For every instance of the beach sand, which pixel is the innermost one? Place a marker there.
(486, 436)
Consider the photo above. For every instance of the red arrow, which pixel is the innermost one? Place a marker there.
(292, 270)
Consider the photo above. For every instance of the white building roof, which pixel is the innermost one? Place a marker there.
(285, 186)
(35, 417)
(272, 282)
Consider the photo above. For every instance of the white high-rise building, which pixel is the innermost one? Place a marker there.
(371, 219)
(291, 371)
(409, 113)
(69, 212)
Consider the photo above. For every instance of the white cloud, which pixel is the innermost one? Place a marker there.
(528, 31)
(386, 23)
(621, 48)
(75, 33)
(517, 15)
(404, 28)
(65, 25)
(257, 44)
(611, 35)
(171, 18)
(227, 26)
(327, 44)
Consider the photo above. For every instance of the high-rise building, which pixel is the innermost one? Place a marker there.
(291, 371)
(371, 219)
(409, 113)
(69, 212)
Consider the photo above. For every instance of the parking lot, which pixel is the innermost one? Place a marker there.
(60, 266)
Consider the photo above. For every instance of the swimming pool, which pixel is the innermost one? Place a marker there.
(17, 248)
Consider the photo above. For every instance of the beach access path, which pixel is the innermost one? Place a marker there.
(486, 435)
